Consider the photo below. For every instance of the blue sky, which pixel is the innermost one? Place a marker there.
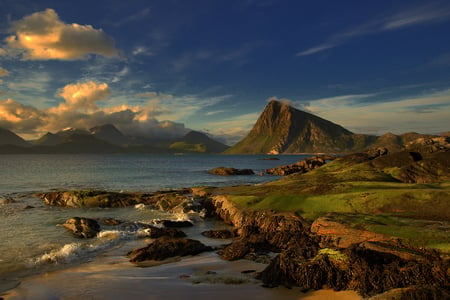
(169, 66)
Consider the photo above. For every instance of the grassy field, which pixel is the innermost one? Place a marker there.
(359, 195)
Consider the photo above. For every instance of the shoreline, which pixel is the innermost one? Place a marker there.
(111, 276)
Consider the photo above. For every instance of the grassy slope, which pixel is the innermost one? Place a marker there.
(361, 196)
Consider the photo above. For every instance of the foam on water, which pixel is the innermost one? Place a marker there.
(73, 252)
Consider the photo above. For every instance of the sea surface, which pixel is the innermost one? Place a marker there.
(32, 240)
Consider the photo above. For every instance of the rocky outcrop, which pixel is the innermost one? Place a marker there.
(178, 201)
(82, 227)
(309, 259)
(356, 268)
(302, 166)
(342, 235)
(227, 171)
(166, 247)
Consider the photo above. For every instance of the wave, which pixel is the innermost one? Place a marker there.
(106, 239)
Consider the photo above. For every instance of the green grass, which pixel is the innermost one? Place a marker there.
(359, 195)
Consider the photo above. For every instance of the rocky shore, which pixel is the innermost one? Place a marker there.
(306, 255)
(310, 253)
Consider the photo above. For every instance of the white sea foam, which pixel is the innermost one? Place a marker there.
(105, 239)
(140, 206)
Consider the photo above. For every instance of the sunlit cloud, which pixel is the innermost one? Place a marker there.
(43, 36)
(83, 96)
(20, 118)
(85, 105)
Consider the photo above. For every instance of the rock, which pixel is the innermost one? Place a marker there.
(29, 207)
(302, 166)
(377, 152)
(176, 224)
(6, 200)
(177, 201)
(224, 171)
(236, 250)
(166, 247)
(82, 227)
(356, 268)
(220, 233)
(342, 235)
(156, 232)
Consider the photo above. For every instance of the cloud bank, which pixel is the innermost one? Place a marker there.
(43, 36)
(84, 106)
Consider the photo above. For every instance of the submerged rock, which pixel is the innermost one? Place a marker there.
(82, 227)
(226, 171)
(166, 247)
(176, 224)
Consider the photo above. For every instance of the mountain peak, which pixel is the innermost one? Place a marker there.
(8, 137)
(282, 128)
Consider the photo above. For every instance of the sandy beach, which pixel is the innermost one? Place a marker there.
(205, 276)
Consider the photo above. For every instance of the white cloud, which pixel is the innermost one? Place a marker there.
(428, 113)
(43, 36)
(81, 109)
(424, 14)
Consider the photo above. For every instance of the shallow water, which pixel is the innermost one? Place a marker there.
(32, 239)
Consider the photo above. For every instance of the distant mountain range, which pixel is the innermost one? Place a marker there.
(106, 139)
(284, 129)
(279, 129)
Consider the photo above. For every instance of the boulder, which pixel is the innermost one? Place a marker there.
(166, 247)
(82, 227)
(226, 171)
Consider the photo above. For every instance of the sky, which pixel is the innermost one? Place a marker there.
(165, 67)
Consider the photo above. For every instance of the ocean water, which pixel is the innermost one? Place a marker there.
(31, 235)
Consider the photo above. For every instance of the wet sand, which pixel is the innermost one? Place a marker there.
(205, 276)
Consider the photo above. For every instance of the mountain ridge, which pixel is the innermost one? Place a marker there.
(282, 128)
(105, 138)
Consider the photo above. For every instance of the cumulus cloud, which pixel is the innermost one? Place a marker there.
(20, 118)
(83, 96)
(81, 109)
(43, 36)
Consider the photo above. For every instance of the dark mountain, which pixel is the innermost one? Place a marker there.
(9, 138)
(52, 139)
(107, 139)
(80, 143)
(284, 129)
(109, 133)
(195, 141)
